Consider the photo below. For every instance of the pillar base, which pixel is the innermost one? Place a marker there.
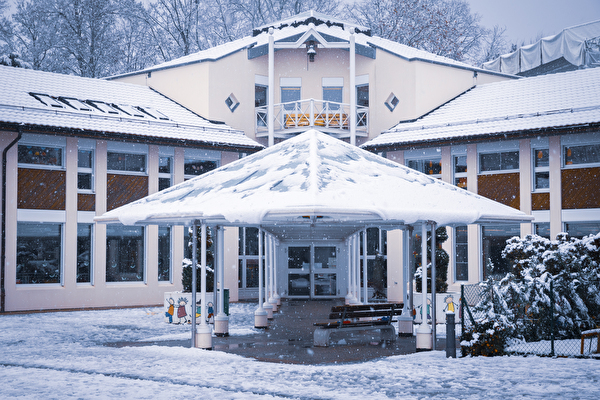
(348, 299)
(222, 325)
(424, 338)
(277, 298)
(405, 326)
(260, 319)
(268, 307)
(273, 303)
(204, 337)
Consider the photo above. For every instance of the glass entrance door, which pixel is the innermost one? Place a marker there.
(312, 271)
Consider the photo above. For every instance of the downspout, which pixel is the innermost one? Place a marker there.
(2, 272)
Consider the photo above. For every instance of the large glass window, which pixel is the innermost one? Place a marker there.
(40, 155)
(430, 166)
(585, 154)
(581, 229)
(164, 253)
(85, 170)
(124, 253)
(165, 172)
(542, 229)
(290, 95)
(126, 162)
(39, 252)
(501, 161)
(376, 259)
(84, 253)
(461, 256)
(193, 167)
(494, 239)
(362, 95)
(541, 169)
(248, 257)
(460, 171)
(260, 100)
(332, 94)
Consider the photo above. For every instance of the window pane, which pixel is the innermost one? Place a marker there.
(377, 275)
(84, 181)
(260, 96)
(38, 252)
(581, 229)
(510, 160)
(164, 183)
(40, 155)
(164, 253)
(84, 159)
(126, 162)
(494, 241)
(542, 180)
(84, 253)
(489, 162)
(462, 254)
(461, 182)
(372, 241)
(252, 273)
(332, 94)
(325, 257)
(290, 94)
(124, 253)
(541, 158)
(542, 229)
(581, 154)
(252, 241)
(362, 96)
(298, 257)
(428, 166)
(198, 167)
(325, 284)
(460, 164)
(164, 165)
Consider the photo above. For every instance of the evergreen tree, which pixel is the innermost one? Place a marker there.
(186, 278)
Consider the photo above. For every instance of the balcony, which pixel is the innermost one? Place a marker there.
(297, 116)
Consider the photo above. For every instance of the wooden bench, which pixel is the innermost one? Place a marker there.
(590, 334)
(362, 317)
(331, 120)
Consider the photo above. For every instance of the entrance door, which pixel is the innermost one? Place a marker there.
(312, 271)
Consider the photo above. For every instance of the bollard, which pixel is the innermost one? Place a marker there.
(450, 336)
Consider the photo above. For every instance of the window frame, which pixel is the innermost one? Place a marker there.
(170, 255)
(501, 170)
(144, 271)
(61, 167)
(91, 256)
(459, 175)
(61, 248)
(425, 159)
(541, 169)
(565, 147)
(127, 172)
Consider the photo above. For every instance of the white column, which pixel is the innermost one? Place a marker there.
(274, 299)
(352, 88)
(405, 321)
(357, 267)
(260, 315)
(271, 90)
(194, 279)
(555, 187)
(204, 333)
(433, 299)
(348, 298)
(365, 285)
(424, 339)
(221, 319)
(267, 304)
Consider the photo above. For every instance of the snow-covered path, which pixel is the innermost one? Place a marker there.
(60, 355)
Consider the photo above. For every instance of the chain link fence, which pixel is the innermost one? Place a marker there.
(539, 329)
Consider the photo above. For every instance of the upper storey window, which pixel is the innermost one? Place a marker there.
(583, 154)
(40, 155)
(126, 162)
(499, 161)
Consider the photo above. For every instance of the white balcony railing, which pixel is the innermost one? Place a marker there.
(327, 116)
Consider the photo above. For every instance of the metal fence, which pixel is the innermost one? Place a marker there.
(538, 333)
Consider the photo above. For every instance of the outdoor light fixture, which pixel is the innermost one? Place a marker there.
(311, 50)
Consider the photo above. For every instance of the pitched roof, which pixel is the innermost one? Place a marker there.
(313, 185)
(509, 107)
(29, 97)
(329, 27)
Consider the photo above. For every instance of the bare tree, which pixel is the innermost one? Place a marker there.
(443, 27)
(494, 44)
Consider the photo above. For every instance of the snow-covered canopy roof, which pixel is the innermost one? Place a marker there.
(329, 32)
(578, 45)
(70, 103)
(313, 186)
(504, 108)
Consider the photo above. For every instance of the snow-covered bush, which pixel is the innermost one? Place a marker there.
(186, 275)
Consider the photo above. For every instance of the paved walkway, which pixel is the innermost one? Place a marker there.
(289, 339)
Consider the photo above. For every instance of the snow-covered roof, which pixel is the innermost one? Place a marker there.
(579, 45)
(29, 97)
(546, 101)
(330, 28)
(314, 185)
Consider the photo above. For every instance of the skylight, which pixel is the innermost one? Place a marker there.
(102, 106)
(76, 104)
(47, 100)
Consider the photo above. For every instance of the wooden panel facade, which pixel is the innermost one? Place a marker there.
(123, 189)
(503, 188)
(540, 201)
(580, 188)
(41, 189)
(86, 202)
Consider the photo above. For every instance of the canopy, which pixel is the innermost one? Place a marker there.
(314, 186)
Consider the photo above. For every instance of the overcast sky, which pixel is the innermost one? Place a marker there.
(525, 20)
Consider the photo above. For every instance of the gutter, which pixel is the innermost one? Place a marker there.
(3, 267)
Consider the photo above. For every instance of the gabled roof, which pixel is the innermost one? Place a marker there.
(314, 185)
(333, 30)
(505, 108)
(68, 103)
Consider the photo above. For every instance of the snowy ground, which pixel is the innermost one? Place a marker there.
(62, 355)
